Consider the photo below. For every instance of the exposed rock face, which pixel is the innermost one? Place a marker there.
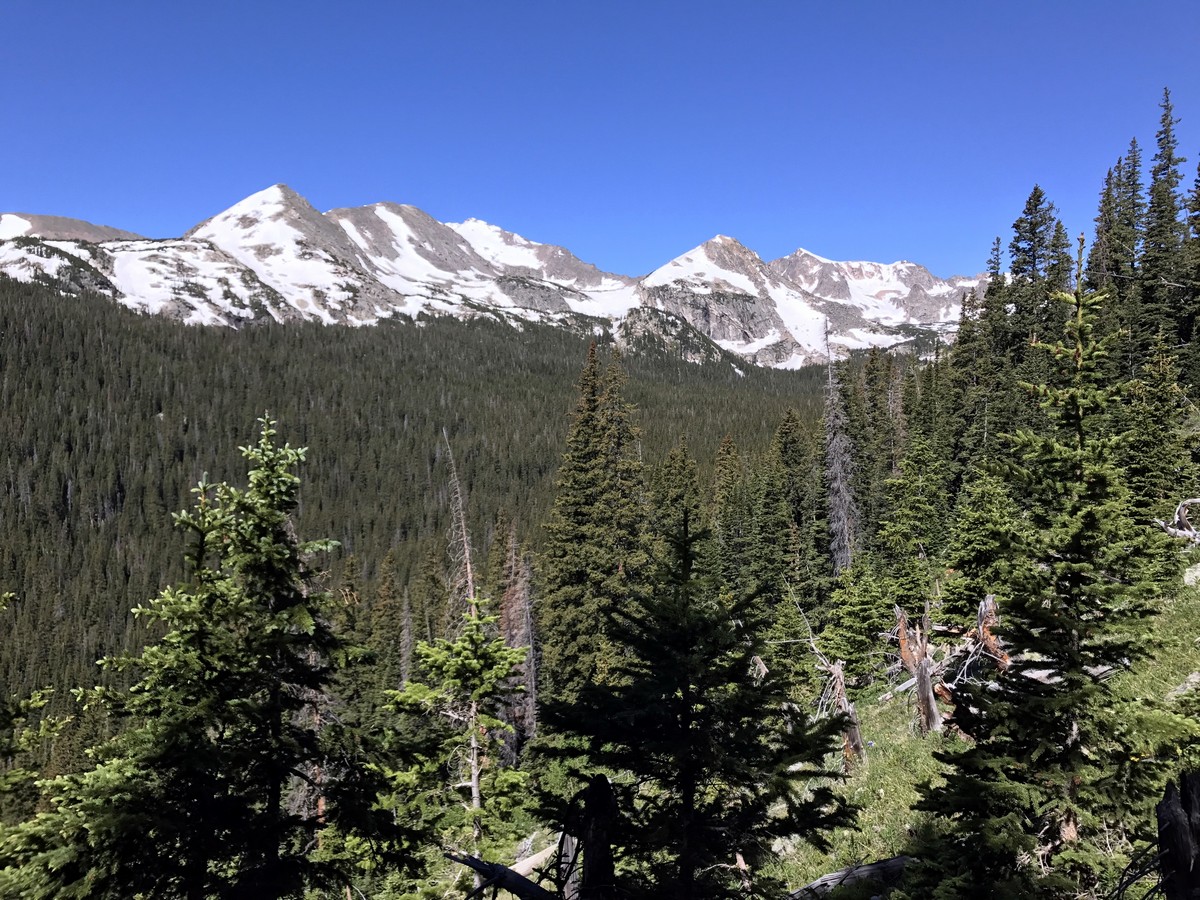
(893, 294)
(273, 256)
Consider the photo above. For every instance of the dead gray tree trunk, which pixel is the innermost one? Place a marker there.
(599, 818)
(1181, 526)
(495, 875)
(1179, 838)
(568, 868)
(929, 716)
(834, 698)
(916, 656)
(885, 872)
(839, 463)
(854, 749)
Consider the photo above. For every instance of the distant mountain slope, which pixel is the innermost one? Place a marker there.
(58, 228)
(273, 256)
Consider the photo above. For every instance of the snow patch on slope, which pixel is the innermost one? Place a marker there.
(499, 247)
(12, 225)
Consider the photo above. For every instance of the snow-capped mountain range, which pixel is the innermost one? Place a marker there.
(274, 256)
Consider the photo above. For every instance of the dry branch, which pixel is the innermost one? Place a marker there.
(1181, 526)
(834, 697)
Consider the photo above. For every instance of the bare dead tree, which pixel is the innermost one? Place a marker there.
(462, 573)
(517, 629)
(834, 699)
(406, 637)
(936, 678)
(916, 657)
(1179, 838)
(1181, 525)
(839, 463)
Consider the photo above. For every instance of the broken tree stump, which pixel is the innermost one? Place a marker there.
(1179, 839)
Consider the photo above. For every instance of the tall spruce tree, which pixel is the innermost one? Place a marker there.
(986, 543)
(1033, 231)
(1028, 809)
(713, 763)
(1153, 422)
(1039, 263)
(1163, 303)
(800, 453)
(596, 550)
(1102, 253)
(860, 614)
(200, 795)
(912, 539)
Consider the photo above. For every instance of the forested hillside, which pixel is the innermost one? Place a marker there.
(112, 418)
(665, 610)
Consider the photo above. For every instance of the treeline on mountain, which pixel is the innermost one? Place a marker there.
(659, 585)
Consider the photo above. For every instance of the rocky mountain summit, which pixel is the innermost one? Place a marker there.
(274, 257)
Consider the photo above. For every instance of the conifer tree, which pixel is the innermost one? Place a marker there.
(731, 515)
(1033, 231)
(1059, 268)
(466, 681)
(713, 763)
(1154, 446)
(1028, 806)
(197, 797)
(987, 542)
(1039, 255)
(595, 552)
(860, 614)
(1101, 260)
(1128, 220)
(1164, 307)
(800, 453)
(1191, 279)
(912, 539)
(18, 736)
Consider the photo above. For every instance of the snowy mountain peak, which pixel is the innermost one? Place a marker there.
(290, 247)
(501, 248)
(272, 255)
(719, 264)
(890, 293)
(517, 255)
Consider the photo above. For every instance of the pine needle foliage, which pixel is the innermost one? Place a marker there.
(713, 763)
(221, 779)
(1059, 767)
(466, 681)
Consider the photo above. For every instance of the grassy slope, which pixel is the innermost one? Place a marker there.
(887, 787)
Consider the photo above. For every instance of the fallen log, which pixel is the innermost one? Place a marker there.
(496, 875)
(884, 872)
(530, 864)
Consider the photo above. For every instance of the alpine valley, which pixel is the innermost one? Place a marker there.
(273, 257)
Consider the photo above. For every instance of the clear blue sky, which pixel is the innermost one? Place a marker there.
(627, 131)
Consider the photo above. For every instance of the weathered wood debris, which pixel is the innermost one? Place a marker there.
(582, 863)
(885, 873)
(1179, 839)
(1181, 526)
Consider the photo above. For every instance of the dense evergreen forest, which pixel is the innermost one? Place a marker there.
(522, 593)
